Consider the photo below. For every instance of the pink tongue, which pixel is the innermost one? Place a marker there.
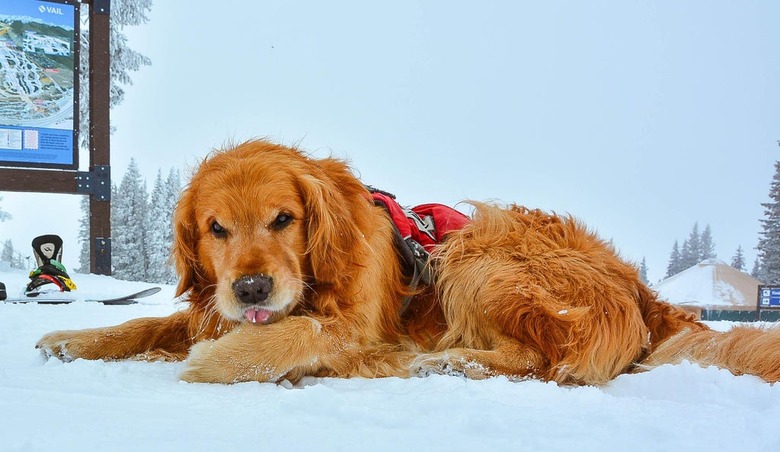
(257, 316)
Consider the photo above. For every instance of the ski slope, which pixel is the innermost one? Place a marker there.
(46, 405)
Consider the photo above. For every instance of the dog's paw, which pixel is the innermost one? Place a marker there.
(209, 363)
(201, 366)
(445, 364)
(433, 364)
(216, 362)
(60, 345)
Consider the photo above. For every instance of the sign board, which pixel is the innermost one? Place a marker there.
(769, 297)
(39, 100)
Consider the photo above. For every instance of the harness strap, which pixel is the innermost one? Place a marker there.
(413, 262)
(416, 233)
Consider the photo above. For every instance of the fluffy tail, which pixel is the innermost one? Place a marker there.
(741, 350)
(676, 336)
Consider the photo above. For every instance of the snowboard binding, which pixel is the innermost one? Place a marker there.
(50, 272)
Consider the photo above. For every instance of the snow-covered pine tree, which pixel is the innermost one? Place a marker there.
(160, 236)
(114, 193)
(643, 271)
(738, 261)
(18, 260)
(172, 193)
(674, 261)
(124, 60)
(157, 248)
(129, 225)
(172, 190)
(756, 272)
(3, 214)
(691, 249)
(13, 257)
(769, 238)
(706, 245)
(685, 254)
(7, 254)
(83, 237)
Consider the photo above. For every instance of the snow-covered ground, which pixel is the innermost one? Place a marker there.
(115, 406)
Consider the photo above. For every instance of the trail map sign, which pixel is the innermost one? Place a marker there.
(39, 99)
(38, 83)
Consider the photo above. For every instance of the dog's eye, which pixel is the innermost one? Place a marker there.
(281, 221)
(218, 231)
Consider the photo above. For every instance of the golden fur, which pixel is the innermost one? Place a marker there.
(517, 292)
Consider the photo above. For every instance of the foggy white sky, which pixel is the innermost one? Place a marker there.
(640, 118)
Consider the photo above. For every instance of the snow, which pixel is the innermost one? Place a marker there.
(95, 405)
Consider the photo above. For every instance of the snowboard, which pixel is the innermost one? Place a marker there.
(68, 297)
(128, 299)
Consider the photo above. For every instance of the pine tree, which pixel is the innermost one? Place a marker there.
(691, 250)
(707, 246)
(160, 237)
(738, 261)
(172, 193)
(756, 272)
(3, 214)
(769, 240)
(7, 255)
(123, 59)
(154, 237)
(17, 261)
(157, 248)
(83, 237)
(686, 256)
(129, 224)
(696, 248)
(674, 261)
(13, 257)
(643, 271)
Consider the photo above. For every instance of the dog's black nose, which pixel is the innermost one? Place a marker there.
(253, 289)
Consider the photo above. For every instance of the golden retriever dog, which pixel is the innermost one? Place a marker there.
(290, 270)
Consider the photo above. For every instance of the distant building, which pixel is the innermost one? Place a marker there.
(714, 290)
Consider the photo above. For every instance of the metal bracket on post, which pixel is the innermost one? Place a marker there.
(96, 183)
(101, 6)
(101, 249)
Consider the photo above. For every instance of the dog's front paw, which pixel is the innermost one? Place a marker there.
(209, 362)
(430, 364)
(217, 362)
(63, 345)
(445, 364)
(201, 365)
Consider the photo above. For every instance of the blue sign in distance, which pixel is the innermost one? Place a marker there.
(769, 296)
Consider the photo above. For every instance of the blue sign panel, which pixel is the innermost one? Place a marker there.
(39, 89)
(769, 296)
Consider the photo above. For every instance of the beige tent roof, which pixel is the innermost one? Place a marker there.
(710, 283)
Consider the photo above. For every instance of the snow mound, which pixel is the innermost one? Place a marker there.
(710, 283)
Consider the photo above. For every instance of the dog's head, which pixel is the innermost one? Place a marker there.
(259, 224)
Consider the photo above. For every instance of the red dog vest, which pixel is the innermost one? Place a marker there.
(426, 224)
(418, 230)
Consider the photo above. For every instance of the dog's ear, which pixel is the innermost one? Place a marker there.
(333, 198)
(185, 240)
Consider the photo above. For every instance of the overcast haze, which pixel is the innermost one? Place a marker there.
(641, 118)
